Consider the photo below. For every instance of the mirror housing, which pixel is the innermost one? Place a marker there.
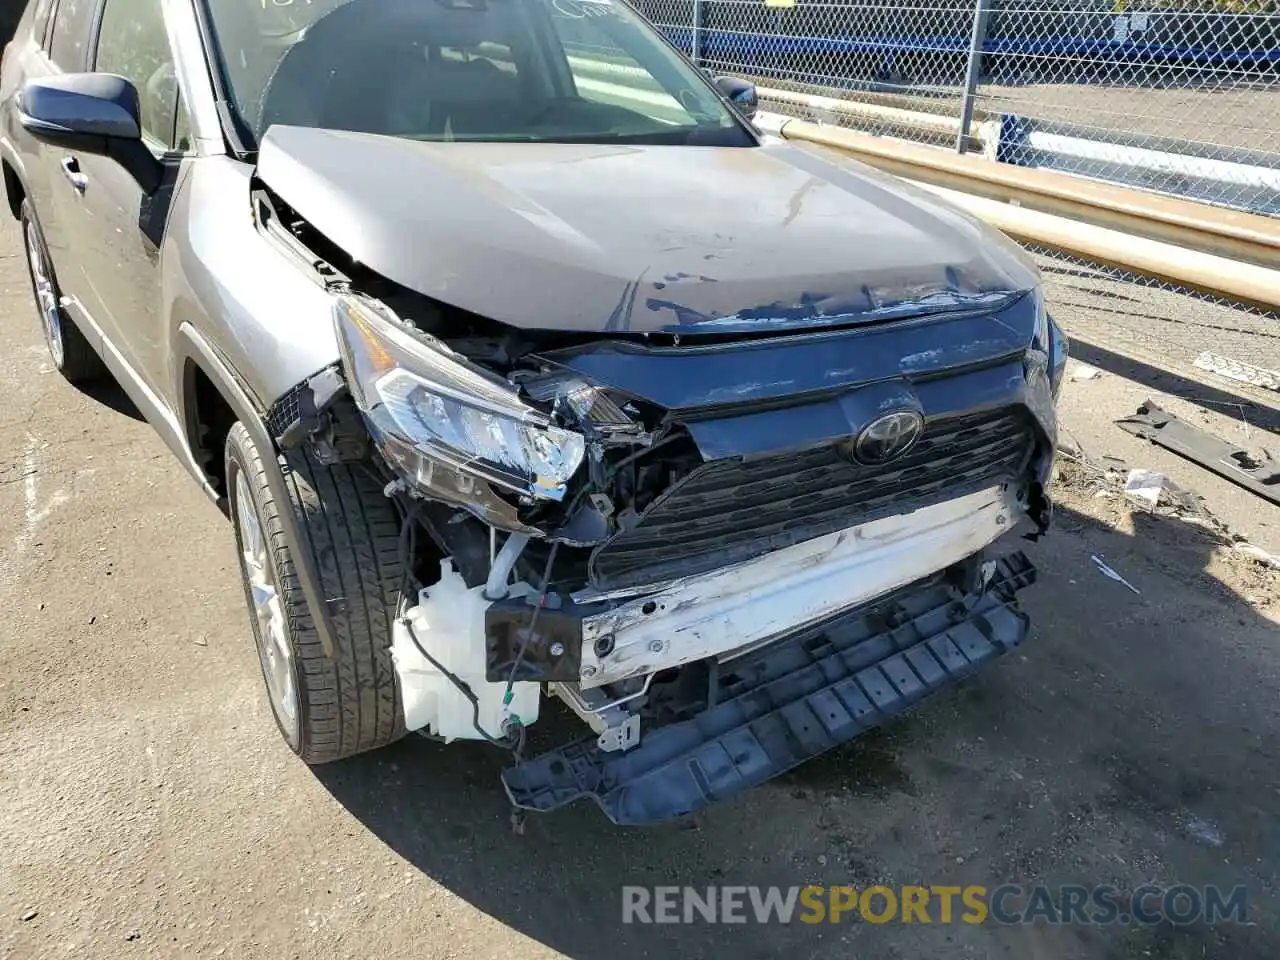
(741, 93)
(94, 113)
(80, 107)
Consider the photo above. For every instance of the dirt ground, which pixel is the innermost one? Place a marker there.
(148, 808)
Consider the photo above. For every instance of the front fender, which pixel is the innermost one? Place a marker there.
(271, 320)
(191, 346)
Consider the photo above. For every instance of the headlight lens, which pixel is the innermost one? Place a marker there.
(1051, 340)
(420, 393)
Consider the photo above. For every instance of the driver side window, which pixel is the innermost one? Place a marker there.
(133, 43)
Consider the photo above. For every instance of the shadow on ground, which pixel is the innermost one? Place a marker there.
(1160, 380)
(1131, 740)
(111, 395)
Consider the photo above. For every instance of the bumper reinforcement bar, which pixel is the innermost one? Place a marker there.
(790, 701)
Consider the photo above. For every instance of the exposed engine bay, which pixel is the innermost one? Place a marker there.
(619, 519)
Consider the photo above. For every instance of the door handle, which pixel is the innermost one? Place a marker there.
(71, 170)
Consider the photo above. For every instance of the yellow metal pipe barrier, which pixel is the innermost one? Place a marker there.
(873, 117)
(1244, 282)
(1188, 229)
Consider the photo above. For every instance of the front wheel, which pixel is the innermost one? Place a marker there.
(328, 705)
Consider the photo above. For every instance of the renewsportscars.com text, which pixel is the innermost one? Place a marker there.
(943, 904)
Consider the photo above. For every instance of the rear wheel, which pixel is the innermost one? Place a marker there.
(328, 705)
(68, 348)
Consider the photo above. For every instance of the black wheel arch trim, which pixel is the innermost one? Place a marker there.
(10, 156)
(194, 347)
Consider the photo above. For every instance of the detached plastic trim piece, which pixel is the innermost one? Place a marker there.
(1241, 467)
(790, 701)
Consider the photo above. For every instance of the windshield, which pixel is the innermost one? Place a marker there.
(569, 71)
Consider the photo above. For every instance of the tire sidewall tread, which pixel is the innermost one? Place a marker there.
(349, 702)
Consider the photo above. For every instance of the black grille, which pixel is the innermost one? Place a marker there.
(728, 511)
(285, 411)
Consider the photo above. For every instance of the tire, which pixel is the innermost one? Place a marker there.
(70, 352)
(349, 702)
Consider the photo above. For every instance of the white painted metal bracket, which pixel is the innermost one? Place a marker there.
(773, 595)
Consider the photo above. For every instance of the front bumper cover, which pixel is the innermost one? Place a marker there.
(790, 701)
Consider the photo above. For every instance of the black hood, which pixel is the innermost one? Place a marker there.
(678, 239)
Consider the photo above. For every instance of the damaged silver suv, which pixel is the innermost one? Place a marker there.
(526, 367)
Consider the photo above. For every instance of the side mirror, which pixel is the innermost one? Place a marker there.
(741, 93)
(94, 113)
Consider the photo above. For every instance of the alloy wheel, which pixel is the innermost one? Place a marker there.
(272, 633)
(46, 295)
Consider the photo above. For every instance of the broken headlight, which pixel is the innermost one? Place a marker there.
(421, 396)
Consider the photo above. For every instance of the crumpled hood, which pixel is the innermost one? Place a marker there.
(592, 238)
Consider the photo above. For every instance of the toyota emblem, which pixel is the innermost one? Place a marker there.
(888, 437)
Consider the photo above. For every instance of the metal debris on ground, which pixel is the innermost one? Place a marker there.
(1255, 470)
(1238, 370)
(1164, 497)
(1257, 553)
(1107, 571)
(1083, 371)
(1148, 486)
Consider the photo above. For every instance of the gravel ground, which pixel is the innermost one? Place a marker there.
(148, 808)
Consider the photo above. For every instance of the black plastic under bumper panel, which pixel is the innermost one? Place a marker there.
(789, 702)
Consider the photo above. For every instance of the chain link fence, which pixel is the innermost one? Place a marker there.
(1176, 96)
(1181, 97)
(1163, 322)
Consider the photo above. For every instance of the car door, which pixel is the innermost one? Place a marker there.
(117, 228)
(26, 58)
(49, 181)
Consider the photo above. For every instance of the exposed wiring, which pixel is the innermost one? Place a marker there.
(407, 546)
(632, 457)
(533, 622)
(614, 469)
(467, 692)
